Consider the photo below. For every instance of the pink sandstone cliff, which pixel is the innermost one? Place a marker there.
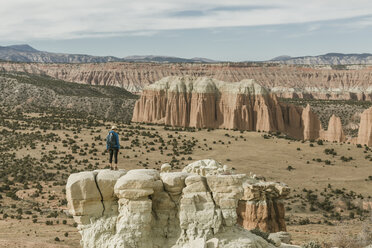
(365, 128)
(209, 103)
(335, 131)
(311, 123)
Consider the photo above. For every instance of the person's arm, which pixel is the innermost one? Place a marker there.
(117, 140)
(107, 144)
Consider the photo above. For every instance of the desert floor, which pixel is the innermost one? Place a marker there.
(317, 179)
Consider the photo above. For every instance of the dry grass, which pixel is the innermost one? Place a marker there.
(344, 184)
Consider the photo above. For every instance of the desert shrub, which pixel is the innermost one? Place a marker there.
(345, 240)
(312, 244)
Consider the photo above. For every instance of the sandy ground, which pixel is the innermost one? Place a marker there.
(246, 152)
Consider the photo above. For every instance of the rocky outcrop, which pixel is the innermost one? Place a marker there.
(365, 128)
(207, 167)
(262, 206)
(208, 103)
(283, 80)
(142, 208)
(334, 132)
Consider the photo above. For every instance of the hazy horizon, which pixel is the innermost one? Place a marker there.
(235, 31)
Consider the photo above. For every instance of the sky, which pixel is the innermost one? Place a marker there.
(234, 30)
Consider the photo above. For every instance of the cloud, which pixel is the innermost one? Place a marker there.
(69, 19)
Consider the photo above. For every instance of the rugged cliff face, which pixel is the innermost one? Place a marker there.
(142, 208)
(262, 206)
(209, 103)
(365, 128)
(283, 80)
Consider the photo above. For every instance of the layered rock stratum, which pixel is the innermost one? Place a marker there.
(351, 82)
(209, 103)
(142, 208)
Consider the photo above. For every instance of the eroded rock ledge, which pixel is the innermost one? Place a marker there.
(145, 208)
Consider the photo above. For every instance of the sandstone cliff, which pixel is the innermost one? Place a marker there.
(283, 80)
(209, 103)
(335, 131)
(311, 124)
(145, 209)
(365, 128)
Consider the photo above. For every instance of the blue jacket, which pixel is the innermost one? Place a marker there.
(117, 145)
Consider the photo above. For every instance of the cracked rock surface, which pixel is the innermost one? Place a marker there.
(147, 209)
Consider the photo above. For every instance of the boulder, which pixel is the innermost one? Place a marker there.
(174, 182)
(106, 180)
(135, 185)
(82, 194)
(166, 168)
(280, 237)
(207, 167)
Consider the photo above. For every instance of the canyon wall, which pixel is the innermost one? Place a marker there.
(209, 103)
(284, 80)
(145, 208)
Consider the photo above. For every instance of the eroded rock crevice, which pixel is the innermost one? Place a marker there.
(100, 193)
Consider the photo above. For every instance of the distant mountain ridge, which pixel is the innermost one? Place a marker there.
(327, 59)
(26, 53)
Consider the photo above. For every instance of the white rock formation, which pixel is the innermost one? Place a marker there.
(198, 207)
(145, 209)
(280, 237)
(166, 168)
(207, 167)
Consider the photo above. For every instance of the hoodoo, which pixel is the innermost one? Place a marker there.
(334, 132)
(365, 128)
(204, 102)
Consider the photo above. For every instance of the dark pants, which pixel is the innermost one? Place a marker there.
(114, 152)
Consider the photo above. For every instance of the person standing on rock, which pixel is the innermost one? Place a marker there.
(113, 146)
